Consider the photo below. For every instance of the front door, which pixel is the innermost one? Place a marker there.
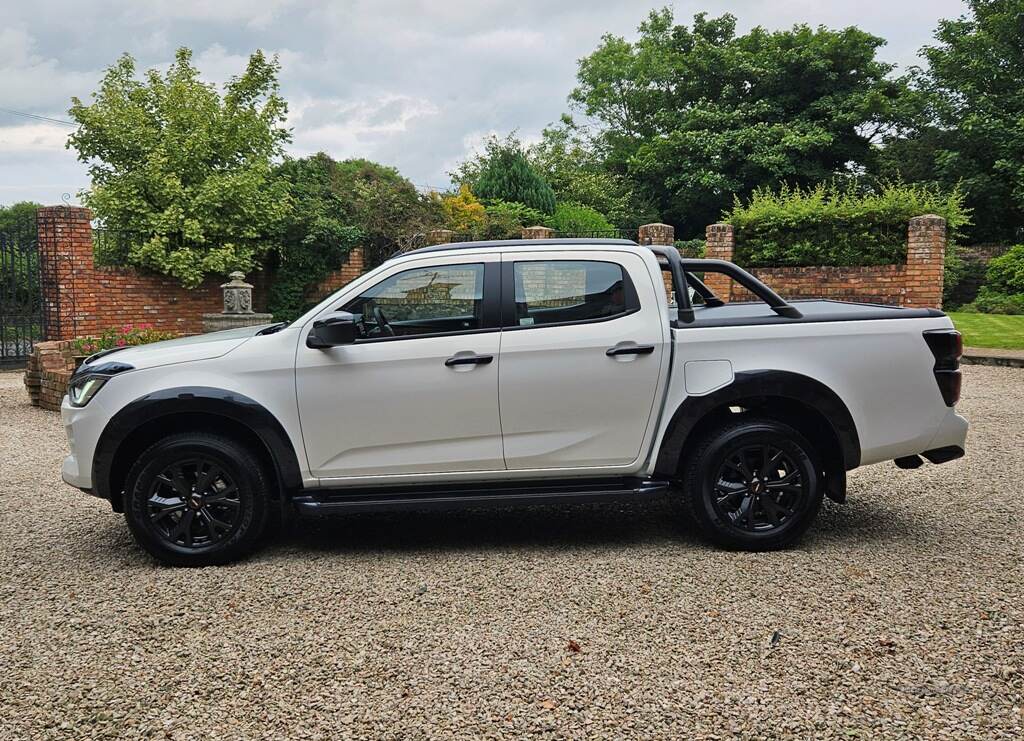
(581, 356)
(418, 391)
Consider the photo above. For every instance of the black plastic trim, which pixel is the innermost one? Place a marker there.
(201, 400)
(755, 385)
(452, 246)
(108, 369)
(477, 494)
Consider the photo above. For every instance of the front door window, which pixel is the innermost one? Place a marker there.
(422, 301)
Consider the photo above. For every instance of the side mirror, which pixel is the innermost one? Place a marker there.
(337, 328)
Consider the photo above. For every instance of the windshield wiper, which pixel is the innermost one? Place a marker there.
(273, 328)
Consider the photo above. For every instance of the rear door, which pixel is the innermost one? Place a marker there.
(583, 343)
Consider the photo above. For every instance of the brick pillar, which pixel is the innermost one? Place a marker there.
(538, 232)
(439, 236)
(663, 234)
(926, 253)
(67, 271)
(721, 241)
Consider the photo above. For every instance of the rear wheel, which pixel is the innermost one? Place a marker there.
(752, 484)
(196, 499)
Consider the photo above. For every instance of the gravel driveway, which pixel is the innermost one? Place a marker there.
(902, 614)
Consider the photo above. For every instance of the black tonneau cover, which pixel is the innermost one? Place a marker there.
(746, 313)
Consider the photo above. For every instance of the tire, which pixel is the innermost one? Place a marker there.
(197, 499)
(733, 503)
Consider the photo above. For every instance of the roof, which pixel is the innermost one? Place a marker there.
(515, 243)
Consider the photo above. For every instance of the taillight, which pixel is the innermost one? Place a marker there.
(947, 345)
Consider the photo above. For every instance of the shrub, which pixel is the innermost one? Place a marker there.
(834, 224)
(694, 248)
(463, 212)
(127, 336)
(506, 219)
(1005, 273)
(579, 219)
(992, 302)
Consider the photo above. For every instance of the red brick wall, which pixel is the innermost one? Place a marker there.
(83, 299)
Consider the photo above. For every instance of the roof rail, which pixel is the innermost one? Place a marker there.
(511, 243)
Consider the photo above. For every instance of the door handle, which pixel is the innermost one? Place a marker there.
(468, 360)
(629, 350)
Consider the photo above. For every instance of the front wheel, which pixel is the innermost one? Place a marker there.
(196, 499)
(753, 485)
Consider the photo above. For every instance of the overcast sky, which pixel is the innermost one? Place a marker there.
(410, 83)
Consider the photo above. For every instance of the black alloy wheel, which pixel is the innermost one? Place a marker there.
(759, 488)
(752, 483)
(194, 503)
(197, 499)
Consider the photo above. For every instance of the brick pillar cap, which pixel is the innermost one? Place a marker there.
(720, 227)
(76, 210)
(656, 225)
(928, 219)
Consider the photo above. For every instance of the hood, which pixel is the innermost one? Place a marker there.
(181, 350)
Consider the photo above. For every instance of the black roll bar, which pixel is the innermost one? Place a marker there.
(682, 270)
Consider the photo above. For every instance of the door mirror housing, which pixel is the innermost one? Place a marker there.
(337, 328)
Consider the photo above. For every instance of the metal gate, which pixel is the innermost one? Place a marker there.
(21, 296)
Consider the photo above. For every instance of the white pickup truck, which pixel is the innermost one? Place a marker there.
(515, 372)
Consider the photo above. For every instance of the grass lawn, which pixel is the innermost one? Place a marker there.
(990, 330)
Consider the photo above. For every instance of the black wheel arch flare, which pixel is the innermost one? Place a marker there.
(197, 400)
(754, 386)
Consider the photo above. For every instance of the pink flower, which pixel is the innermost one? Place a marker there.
(121, 342)
(126, 329)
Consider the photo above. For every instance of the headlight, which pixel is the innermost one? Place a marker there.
(89, 379)
(81, 390)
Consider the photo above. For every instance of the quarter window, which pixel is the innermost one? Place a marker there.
(444, 298)
(557, 291)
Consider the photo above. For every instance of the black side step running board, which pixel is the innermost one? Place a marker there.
(345, 501)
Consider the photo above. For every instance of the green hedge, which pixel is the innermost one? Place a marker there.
(835, 224)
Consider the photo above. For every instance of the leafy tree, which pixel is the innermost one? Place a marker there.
(504, 173)
(186, 170)
(974, 130)
(385, 206)
(314, 241)
(19, 218)
(578, 173)
(695, 115)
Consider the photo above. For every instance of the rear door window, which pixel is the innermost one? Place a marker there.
(568, 291)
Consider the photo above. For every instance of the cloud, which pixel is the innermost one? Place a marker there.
(411, 83)
(40, 137)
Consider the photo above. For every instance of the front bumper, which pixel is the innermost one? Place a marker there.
(74, 470)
